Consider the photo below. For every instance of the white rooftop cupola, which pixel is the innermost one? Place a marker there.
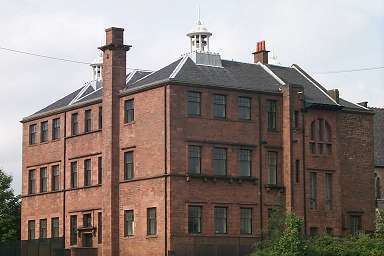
(199, 37)
(97, 68)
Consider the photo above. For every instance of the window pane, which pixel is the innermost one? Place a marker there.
(100, 117)
(245, 162)
(74, 174)
(151, 221)
(32, 134)
(194, 99)
(31, 229)
(246, 220)
(56, 128)
(55, 227)
(87, 220)
(43, 179)
(128, 223)
(313, 190)
(129, 114)
(43, 228)
(272, 115)
(44, 131)
(194, 219)
(219, 106)
(99, 228)
(55, 178)
(244, 106)
(220, 161)
(32, 181)
(272, 162)
(73, 230)
(99, 170)
(87, 172)
(74, 124)
(328, 191)
(128, 165)
(220, 215)
(87, 120)
(194, 161)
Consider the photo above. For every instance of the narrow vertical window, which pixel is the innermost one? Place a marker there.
(55, 128)
(32, 134)
(220, 161)
(272, 168)
(55, 227)
(43, 179)
(219, 106)
(74, 124)
(87, 220)
(194, 103)
(100, 118)
(151, 221)
(129, 220)
(194, 159)
(99, 228)
(128, 165)
(246, 221)
(328, 191)
(99, 170)
(129, 111)
(220, 215)
(272, 115)
(31, 229)
(245, 162)
(74, 174)
(55, 178)
(87, 120)
(295, 120)
(87, 173)
(355, 224)
(194, 219)
(244, 108)
(297, 171)
(32, 182)
(73, 230)
(43, 228)
(313, 190)
(44, 131)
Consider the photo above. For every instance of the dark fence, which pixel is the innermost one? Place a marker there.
(37, 247)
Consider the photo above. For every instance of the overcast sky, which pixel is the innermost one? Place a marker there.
(320, 36)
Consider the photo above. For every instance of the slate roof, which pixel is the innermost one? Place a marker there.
(378, 131)
(232, 74)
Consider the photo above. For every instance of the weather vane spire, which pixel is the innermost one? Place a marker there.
(198, 15)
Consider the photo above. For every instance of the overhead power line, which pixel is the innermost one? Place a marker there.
(88, 63)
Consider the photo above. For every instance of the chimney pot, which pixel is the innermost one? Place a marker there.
(261, 54)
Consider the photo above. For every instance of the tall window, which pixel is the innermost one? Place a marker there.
(219, 106)
(32, 134)
(43, 179)
(220, 161)
(328, 191)
(32, 182)
(245, 162)
(129, 111)
(87, 220)
(44, 131)
(100, 118)
(128, 165)
(194, 103)
(272, 167)
(151, 221)
(87, 173)
(43, 228)
(194, 219)
(99, 227)
(220, 215)
(87, 120)
(246, 221)
(74, 174)
(99, 170)
(31, 229)
(55, 178)
(297, 171)
(313, 190)
(194, 159)
(55, 227)
(75, 124)
(244, 106)
(321, 137)
(355, 224)
(73, 230)
(272, 115)
(129, 220)
(295, 121)
(56, 128)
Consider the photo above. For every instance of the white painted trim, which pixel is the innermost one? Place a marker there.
(269, 71)
(129, 77)
(178, 67)
(89, 94)
(87, 84)
(359, 105)
(315, 85)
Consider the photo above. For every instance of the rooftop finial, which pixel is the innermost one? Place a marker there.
(199, 36)
(198, 15)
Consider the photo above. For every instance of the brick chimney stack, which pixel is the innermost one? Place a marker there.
(261, 54)
(114, 76)
(334, 93)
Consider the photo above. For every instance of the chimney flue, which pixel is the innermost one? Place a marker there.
(261, 54)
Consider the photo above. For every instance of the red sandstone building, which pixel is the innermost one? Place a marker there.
(191, 159)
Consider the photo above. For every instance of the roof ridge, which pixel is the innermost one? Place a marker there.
(178, 67)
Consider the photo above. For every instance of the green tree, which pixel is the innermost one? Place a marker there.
(9, 210)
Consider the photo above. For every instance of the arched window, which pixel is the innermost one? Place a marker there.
(320, 137)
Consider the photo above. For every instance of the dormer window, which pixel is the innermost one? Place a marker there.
(320, 137)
